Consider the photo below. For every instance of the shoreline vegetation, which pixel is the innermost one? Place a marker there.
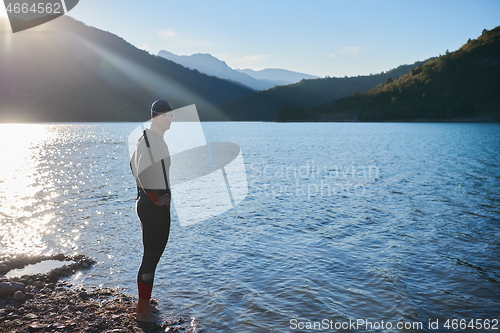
(487, 117)
(44, 303)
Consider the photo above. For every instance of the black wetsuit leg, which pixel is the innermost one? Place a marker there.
(155, 223)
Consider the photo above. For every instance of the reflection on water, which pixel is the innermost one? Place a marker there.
(42, 267)
(419, 242)
(45, 171)
(26, 193)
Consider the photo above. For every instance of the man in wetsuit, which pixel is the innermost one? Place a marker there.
(150, 165)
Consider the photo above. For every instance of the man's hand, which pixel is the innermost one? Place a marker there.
(163, 200)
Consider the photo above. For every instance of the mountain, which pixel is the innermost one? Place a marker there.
(262, 105)
(66, 71)
(461, 85)
(277, 75)
(258, 80)
(210, 65)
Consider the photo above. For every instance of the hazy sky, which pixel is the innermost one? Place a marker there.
(319, 37)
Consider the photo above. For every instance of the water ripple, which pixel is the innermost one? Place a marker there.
(393, 222)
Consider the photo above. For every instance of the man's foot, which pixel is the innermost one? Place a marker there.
(153, 308)
(148, 318)
(144, 312)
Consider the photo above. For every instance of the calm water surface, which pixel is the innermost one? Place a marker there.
(382, 222)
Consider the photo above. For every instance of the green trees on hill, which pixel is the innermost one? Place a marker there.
(263, 105)
(460, 84)
(288, 112)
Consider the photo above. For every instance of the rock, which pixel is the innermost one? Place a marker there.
(19, 295)
(50, 305)
(9, 288)
(67, 308)
(37, 326)
(60, 257)
(3, 269)
(58, 326)
(53, 274)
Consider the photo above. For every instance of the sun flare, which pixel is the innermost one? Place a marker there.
(22, 216)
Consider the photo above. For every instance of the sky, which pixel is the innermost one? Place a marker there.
(333, 38)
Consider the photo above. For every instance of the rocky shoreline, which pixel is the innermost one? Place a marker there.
(42, 303)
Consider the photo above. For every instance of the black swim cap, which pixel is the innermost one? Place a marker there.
(160, 106)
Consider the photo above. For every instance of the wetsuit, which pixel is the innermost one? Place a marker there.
(150, 164)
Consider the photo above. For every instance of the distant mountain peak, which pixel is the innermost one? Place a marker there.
(277, 74)
(259, 80)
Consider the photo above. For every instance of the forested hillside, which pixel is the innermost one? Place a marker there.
(460, 85)
(262, 105)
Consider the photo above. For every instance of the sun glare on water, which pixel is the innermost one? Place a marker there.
(26, 193)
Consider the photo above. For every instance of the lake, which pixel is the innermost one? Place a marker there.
(384, 225)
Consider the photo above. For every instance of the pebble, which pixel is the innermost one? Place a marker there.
(19, 295)
(3, 268)
(9, 288)
(37, 326)
(46, 305)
